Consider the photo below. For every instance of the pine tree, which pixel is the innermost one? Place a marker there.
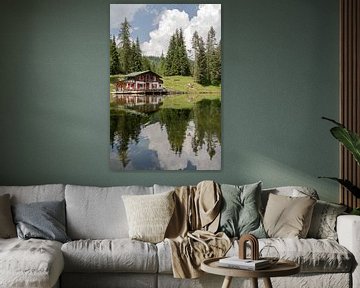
(114, 58)
(200, 66)
(137, 60)
(195, 45)
(177, 62)
(162, 64)
(135, 57)
(184, 66)
(213, 59)
(170, 56)
(125, 46)
(216, 76)
(146, 65)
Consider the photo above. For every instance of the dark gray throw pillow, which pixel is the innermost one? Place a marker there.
(44, 220)
(240, 213)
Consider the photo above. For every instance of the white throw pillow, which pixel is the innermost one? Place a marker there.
(149, 215)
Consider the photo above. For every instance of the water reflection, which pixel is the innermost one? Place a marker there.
(141, 103)
(147, 136)
(175, 122)
(125, 128)
(208, 129)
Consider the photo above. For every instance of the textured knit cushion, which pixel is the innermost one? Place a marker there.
(323, 222)
(44, 220)
(288, 216)
(149, 215)
(7, 226)
(240, 210)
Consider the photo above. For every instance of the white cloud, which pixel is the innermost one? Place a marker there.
(207, 15)
(170, 20)
(118, 12)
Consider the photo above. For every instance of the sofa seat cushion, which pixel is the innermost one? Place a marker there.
(115, 255)
(30, 263)
(313, 255)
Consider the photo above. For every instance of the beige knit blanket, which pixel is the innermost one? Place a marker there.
(191, 231)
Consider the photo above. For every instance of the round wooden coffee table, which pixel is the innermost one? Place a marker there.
(281, 268)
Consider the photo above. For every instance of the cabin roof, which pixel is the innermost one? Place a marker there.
(133, 74)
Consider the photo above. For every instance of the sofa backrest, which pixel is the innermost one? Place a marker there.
(36, 193)
(98, 212)
(163, 188)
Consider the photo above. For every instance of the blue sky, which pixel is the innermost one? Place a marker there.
(155, 23)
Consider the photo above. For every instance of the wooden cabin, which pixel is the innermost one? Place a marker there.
(143, 81)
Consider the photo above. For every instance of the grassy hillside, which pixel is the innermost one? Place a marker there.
(177, 83)
(187, 84)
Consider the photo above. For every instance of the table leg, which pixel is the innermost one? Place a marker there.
(227, 282)
(267, 283)
(254, 282)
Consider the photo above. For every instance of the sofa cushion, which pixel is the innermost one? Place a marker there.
(323, 222)
(7, 226)
(98, 213)
(240, 210)
(43, 220)
(287, 216)
(36, 193)
(116, 255)
(109, 280)
(164, 257)
(291, 191)
(313, 255)
(30, 263)
(149, 215)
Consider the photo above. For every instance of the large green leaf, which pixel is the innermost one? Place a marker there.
(348, 138)
(347, 184)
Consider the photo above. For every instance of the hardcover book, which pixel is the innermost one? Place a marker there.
(249, 264)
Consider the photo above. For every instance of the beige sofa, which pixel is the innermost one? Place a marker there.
(101, 254)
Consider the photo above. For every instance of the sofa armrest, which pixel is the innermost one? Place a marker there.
(348, 230)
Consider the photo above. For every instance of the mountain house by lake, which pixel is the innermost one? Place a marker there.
(143, 82)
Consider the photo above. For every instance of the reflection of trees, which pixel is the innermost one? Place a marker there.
(124, 128)
(207, 119)
(176, 122)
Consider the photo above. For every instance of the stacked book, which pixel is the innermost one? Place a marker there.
(248, 264)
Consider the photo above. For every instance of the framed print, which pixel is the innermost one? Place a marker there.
(165, 86)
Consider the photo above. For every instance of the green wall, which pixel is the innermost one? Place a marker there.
(280, 75)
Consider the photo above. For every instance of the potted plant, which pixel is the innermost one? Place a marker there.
(351, 141)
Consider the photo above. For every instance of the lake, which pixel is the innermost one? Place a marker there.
(146, 133)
